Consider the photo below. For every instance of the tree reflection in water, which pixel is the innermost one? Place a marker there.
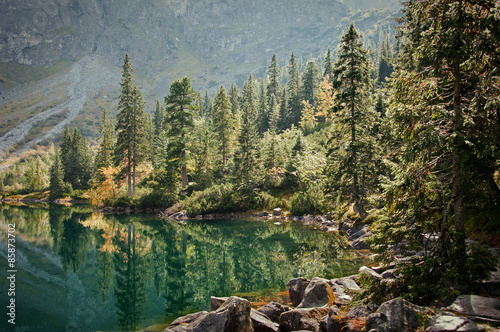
(146, 271)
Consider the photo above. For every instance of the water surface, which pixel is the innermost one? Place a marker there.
(84, 271)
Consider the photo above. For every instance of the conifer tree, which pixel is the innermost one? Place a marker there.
(328, 65)
(351, 168)
(262, 109)
(158, 119)
(274, 87)
(178, 123)
(104, 157)
(310, 83)
(245, 157)
(132, 145)
(76, 159)
(223, 123)
(445, 101)
(294, 106)
(234, 99)
(207, 106)
(57, 185)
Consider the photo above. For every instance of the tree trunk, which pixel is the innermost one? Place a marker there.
(184, 171)
(457, 194)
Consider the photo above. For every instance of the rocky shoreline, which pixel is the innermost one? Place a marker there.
(323, 305)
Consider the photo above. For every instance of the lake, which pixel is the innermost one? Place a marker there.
(81, 271)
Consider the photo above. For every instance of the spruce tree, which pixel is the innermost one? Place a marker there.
(132, 145)
(310, 83)
(294, 106)
(223, 124)
(328, 65)
(178, 123)
(104, 157)
(234, 99)
(207, 108)
(263, 116)
(444, 108)
(57, 185)
(351, 168)
(245, 158)
(274, 87)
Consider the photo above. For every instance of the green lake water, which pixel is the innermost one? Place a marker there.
(81, 271)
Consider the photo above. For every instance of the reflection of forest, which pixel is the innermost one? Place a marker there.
(139, 258)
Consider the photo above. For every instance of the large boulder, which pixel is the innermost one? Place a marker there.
(273, 310)
(476, 306)
(302, 319)
(262, 323)
(351, 321)
(317, 294)
(296, 288)
(233, 315)
(181, 324)
(216, 302)
(446, 322)
(396, 315)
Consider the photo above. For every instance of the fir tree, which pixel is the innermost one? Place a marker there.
(245, 157)
(104, 157)
(179, 122)
(57, 185)
(234, 99)
(263, 109)
(132, 145)
(328, 65)
(310, 83)
(223, 123)
(294, 106)
(351, 168)
(273, 88)
(207, 109)
(443, 109)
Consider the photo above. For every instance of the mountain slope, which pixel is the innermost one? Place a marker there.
(212, 41)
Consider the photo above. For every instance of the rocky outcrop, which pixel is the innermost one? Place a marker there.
(477, 307)
(396, 315)
(273, 310)
(447, 322)
(233, 315)
(296, 288)
(318, 293)
(302, 319)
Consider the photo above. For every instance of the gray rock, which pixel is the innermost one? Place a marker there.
(396, 315)
(446, 322)
(332, 321)
(277, 212)
(317, 294)
(296, 288)
(233, 315)
(273, 310)
(367, 272)
(389, 274)
(262, 323)
(216, 302)
(348, 284)
(302, 319)
(476, 306)
(181, 324)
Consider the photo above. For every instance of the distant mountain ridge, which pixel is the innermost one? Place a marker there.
(212, 41)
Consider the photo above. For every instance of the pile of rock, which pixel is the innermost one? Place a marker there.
(326, 306)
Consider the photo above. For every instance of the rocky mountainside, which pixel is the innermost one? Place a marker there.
(212, 41)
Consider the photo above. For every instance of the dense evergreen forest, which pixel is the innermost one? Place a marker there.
(406, 136)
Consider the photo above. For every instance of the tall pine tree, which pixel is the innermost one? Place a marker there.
(223, 124)
(132, 145)
(179, 121)
(351, 168)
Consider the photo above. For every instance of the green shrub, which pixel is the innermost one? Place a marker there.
(218, 198)
(310, 201)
